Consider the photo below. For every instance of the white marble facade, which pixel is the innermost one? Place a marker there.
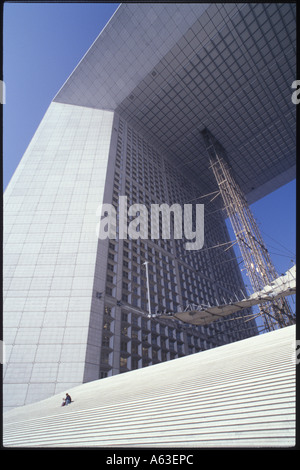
(50, 247)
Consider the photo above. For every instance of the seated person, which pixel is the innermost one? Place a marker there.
(68, 399)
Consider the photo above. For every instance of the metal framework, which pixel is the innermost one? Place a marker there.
(257, 260)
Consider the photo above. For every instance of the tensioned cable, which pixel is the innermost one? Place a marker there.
(276, 241)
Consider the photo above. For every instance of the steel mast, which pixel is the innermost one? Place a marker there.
(257, 260)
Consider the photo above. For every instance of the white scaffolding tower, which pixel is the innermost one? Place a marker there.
(257, 260)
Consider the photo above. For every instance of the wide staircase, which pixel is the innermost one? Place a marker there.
(238, 395)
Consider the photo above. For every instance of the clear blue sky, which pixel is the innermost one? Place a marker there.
(43, 43)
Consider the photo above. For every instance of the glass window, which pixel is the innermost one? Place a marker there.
(123, 361)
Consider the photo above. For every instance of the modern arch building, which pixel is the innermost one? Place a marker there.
(128, 122)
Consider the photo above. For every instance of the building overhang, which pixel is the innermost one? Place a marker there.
(171, 70)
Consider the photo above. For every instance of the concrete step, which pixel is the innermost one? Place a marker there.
(241, 394)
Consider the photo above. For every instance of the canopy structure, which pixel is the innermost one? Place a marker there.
(203, 314)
